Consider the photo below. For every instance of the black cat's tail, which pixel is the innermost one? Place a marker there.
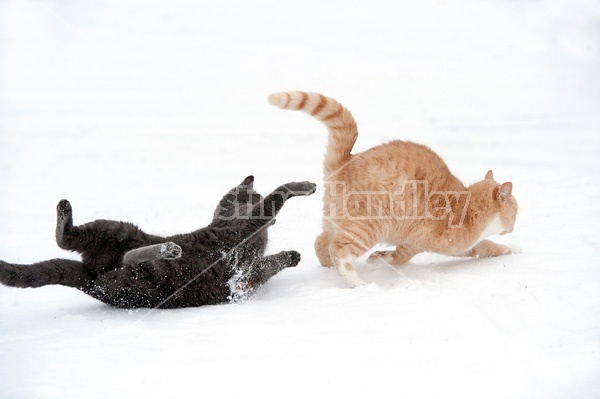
(66, 272)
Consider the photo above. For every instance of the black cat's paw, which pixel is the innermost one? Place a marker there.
(301, 188)
(170, 251)
(294, 258)
(64, 209)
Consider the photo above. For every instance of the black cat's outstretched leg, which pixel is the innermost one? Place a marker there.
(265, 211)
(167, 251)
(270, 265)
(66, 272)
(270, 206)
(249, 277)
(98, 236)
(64, 224)
(69, 237)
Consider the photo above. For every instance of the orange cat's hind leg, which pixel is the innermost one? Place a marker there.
(322, 244)
(400, 256)
(346, 246)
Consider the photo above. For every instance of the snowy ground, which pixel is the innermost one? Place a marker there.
(149, 111)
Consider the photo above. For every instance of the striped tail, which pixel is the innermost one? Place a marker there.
(56, 271)
(339, 121)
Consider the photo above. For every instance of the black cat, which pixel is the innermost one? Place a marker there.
(125, 267)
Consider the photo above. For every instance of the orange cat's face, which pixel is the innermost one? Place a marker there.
(504, 202)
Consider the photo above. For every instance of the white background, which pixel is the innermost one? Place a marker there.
(149, 111)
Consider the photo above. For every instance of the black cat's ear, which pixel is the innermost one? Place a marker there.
(248, 181)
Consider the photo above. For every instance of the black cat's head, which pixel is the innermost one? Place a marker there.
(238, 201)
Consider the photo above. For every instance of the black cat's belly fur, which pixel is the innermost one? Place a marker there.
(219, 263)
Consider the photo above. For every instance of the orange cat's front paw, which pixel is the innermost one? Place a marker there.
(487, 249)
(508, 250)
(514, 249)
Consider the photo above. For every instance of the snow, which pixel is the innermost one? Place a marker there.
(148, 113)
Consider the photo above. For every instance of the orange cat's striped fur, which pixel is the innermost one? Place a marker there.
(400, 193)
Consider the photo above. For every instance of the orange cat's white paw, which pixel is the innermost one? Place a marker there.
(350, 276)
(353, 280)
(514, 249)
(381, 257)
(357, 283)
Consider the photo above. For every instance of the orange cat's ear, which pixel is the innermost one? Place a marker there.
(504, 192)
(489, 175)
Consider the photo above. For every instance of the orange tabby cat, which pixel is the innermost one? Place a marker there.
(399, 193)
